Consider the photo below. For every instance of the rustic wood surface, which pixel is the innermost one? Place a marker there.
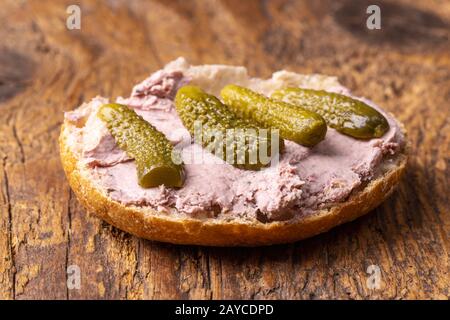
(46, 69)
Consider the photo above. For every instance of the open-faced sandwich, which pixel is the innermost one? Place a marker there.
(208, 155)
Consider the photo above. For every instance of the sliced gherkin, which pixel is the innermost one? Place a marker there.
(349, 116)
(150, 149)
(301, 126)
(247, 147)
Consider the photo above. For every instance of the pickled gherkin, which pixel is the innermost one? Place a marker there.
(299, 125)
(348, 116)
(237, 141)
(150, 149)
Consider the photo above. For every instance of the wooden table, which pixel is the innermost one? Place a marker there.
(46, 69)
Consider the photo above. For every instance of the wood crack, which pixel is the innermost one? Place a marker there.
(10, 240)
(69, 230)
(208, 270)
(19, 143)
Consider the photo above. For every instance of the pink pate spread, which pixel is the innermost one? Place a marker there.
(304, 180)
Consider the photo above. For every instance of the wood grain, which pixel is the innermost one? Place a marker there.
(46, 69)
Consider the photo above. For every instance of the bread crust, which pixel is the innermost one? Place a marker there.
(147, 223)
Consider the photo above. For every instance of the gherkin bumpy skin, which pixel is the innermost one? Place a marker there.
(348, 116)
(301, 126)
(247, 148)
(150, 149)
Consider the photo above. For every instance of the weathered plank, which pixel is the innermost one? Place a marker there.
(46, 69)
